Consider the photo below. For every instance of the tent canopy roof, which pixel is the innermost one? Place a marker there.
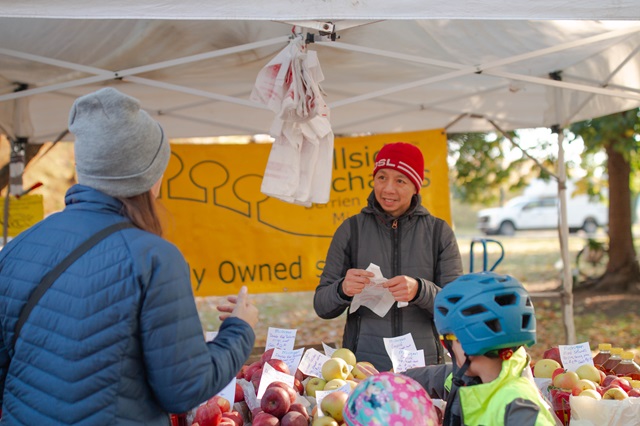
(381, 76)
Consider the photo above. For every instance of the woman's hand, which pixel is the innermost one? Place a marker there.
(239, 306)
(355, 280)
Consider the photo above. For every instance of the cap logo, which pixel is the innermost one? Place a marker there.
(385, 162)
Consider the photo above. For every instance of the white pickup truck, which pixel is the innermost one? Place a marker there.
(542, 212)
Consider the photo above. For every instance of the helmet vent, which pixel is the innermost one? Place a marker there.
(526, 320)
(494, 325)
(473, 310)
(454, 299)
(506, 299)
(444, 311)
(528, 302)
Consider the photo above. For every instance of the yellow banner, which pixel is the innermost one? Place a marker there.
(233, 235)
(24, 212)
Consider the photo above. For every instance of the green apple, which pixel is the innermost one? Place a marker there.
(324, 421)
(582, 384)
(314, 384)
(334, 384)
(335, 368)
(333, 404)
(345, 354)
(544, 368)
(611, 393)
(589, 372)
(591, 393)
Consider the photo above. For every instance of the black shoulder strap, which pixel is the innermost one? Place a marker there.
(437, 230)
(353, 241)
(53, 275)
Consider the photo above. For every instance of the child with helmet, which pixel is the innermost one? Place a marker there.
(485, 320)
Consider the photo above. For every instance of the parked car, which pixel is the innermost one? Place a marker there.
(542, 212)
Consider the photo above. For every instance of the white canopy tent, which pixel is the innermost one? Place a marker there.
(389, 66)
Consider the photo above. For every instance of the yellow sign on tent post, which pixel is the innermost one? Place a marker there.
(233, 235)
(24, 212)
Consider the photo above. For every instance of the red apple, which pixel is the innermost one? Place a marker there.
(293, 394)
(293, 418)
(622, 383)
(265, 419)
(242, 371)
(226, 422)
(235, 417)
(266, 356)
(634, 392)
(279, 365)
(275, 401)
(251, 369)
(299, 387)
(566, 380)
(300, 409)
(553, 353)
(255, 379)
(223, 403)
(300, 375)
(239, 396)
(208, 414)
(608, 379)
(581, 385)
(558, 371)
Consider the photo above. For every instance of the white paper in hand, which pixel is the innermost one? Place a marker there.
(374, 296)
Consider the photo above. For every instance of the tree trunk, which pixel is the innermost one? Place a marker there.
(623, 271)
(31, 150)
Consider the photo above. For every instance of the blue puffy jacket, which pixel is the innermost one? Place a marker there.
(117, 339)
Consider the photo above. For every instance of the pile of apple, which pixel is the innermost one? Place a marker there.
(217, 411)
(586, 380)
(281, 405)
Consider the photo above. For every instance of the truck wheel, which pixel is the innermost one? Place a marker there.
(506, 228)
(590, 226)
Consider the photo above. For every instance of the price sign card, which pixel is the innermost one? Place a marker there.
(573, 356)
(291, 358)
(397, 343)
(311, 363)
(280, 338)
(270, 375)
(403, 360)
(229, 392)
(328, 350)
(210, 335)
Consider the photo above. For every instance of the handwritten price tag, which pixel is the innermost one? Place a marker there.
(311, 363)
(404, 342)
(280, 338)
(573, 356)
(403, 360)
(291, 358)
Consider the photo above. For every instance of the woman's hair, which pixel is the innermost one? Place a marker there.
(142, 210)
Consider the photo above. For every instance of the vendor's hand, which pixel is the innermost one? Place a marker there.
(240, 307)
(402, 287)
(355, 280)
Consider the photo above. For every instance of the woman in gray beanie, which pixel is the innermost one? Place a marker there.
(116, 338)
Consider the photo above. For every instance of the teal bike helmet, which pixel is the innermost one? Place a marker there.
(486, 312)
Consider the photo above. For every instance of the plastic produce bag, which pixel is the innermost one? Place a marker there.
(586, 411)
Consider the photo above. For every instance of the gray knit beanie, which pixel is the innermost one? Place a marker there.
(119, 149)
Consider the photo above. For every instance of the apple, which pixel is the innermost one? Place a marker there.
(557, 371)
(345, 354)
(275, 401)
(265, 419)
(251, 369)
(208, 413)
(544, 368)
(223, 403)
(255, 379)
(635, 384)
(363, 369)
(635, 393)
(335, 368)
(621, 383)
(608, 379)
(266, 356)
(333, 404)
(591, 393)
(566, 380)
(324, 421)
(279, 365)
(240, 374)
(334, 384)
(234, 416)
(553, 353)
(581, 385)
(239, 396)
(314, 384)
(293, 418)
(300, 375)
(352, 383)
(298, 386)
(293, 394)
(300, 409)
(226, 422)
(615, 392)
(589, 372)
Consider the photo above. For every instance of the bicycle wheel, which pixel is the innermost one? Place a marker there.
(592, 262)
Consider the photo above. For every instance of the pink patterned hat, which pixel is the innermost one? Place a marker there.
(388, 399)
